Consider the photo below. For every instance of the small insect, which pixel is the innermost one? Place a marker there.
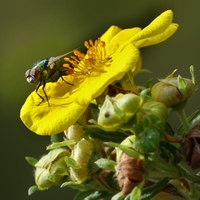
(43, 71)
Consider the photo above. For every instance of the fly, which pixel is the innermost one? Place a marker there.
(43, 70)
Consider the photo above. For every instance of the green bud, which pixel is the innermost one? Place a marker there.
(118, 110)
(172, 91)
(151, 113)
(81, 153)
(51, 168)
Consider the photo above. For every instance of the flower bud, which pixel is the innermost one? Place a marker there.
(118, 110)
(74, 132)
(81, 153)
(149, 109)
(51, 168)
(172, 91)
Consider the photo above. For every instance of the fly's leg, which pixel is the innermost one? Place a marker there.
(44, 83)
(63, 78)
(37, 87)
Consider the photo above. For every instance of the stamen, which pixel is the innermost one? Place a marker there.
(90, 64)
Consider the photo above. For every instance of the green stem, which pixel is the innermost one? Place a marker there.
(183, 118)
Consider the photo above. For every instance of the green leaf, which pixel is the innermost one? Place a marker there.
(109, 151)
(169, 129)
(112, 182)
(195, 120)
(169, 152)
(106, 164)
(54, 138)
(52, 178)
(114, 136)
(148, 141)
(32, 189)
(97, 195)
(118, 196)
(72, 163)
(32, 161)
(126, 150)
(72, 183)
(145, 122)
(60, 144)
(83, 194)
(149, 192)
(192, 74)
(181, 85)
(194, 116)
(135, 193)
(150, 83)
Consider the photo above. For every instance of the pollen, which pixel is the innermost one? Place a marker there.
(90, 64)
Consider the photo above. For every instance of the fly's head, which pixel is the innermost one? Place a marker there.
(32, 75)
(37, 71)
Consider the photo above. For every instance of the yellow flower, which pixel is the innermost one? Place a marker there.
(107, 60)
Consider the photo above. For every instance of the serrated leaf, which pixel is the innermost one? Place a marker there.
(72, 163)
(32, 161)
(106, 164)
(60, 144)
(32, 189)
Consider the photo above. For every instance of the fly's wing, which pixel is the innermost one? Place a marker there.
(57, 58)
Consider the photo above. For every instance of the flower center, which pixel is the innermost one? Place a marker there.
(90, 64)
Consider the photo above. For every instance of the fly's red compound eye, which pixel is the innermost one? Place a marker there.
(32, 75)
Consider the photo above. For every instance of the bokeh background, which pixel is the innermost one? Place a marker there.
(35, 29)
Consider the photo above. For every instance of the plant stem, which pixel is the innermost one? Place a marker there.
(183, 118)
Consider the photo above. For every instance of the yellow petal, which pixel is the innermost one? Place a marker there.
(91, 87)
(157, 26)
(120, 38)
(45, 120)
(110, 33)
(158, 38)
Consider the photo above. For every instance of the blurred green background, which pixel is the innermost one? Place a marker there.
(31, 30)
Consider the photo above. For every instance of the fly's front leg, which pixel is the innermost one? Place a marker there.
(37, 87)
(44, 83)
(63, 78)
